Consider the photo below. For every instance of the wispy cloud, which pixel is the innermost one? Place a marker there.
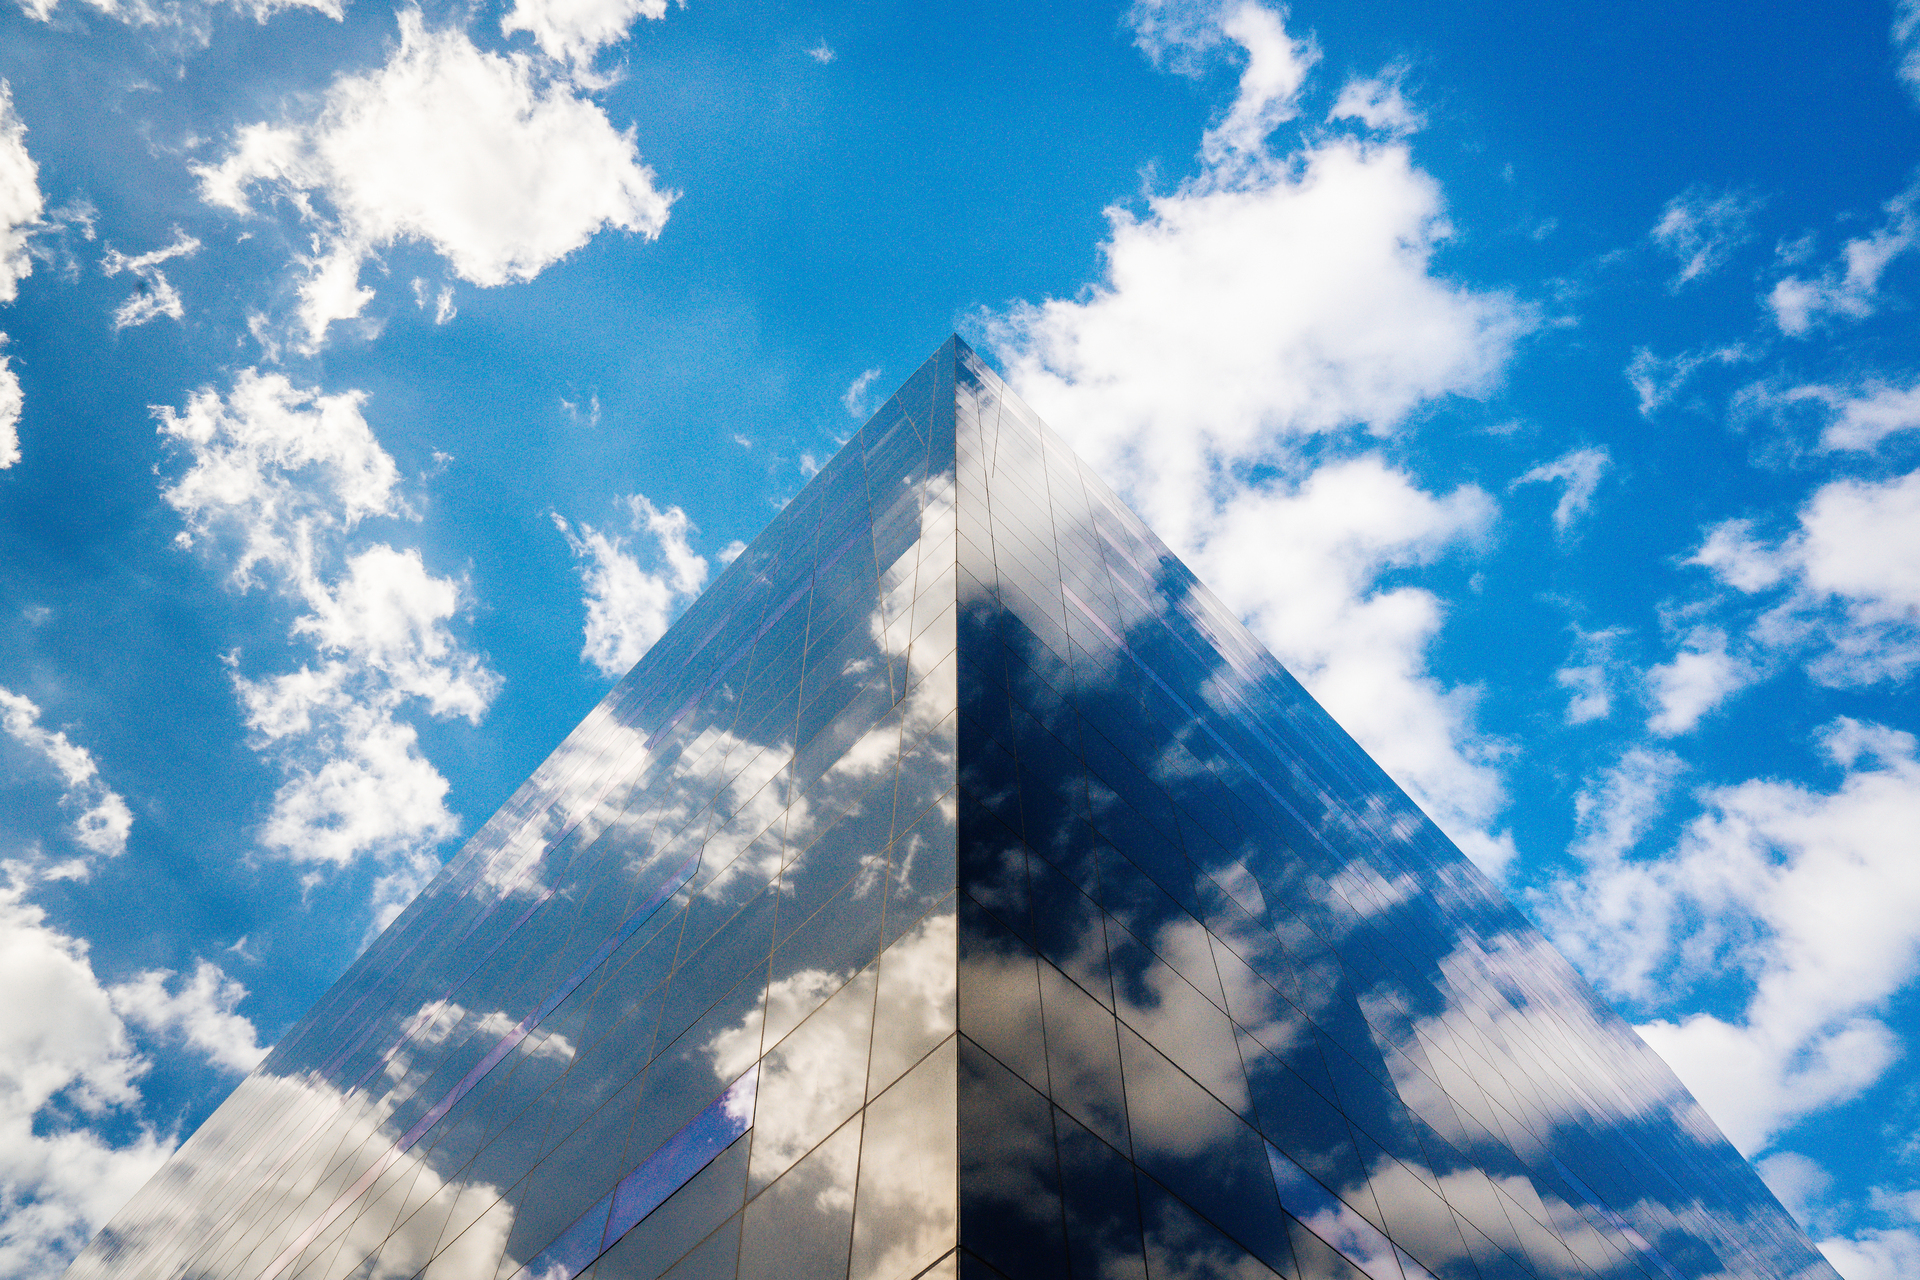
(628, 605)
(1849, 288)
(156, 295)
(1580, 471)
(1701, 229)
(854, 399)
(102, 820)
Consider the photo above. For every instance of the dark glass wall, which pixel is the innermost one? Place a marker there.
(957, 872)
(1230, 1005)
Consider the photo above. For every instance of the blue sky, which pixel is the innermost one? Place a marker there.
(1538, 381)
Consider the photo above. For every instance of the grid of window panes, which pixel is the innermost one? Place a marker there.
(685, 1006)
(1230, 1004)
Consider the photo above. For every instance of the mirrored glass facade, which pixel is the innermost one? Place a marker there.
(957, 889)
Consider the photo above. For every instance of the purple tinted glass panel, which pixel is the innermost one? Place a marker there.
(683, 1155)
(674, 1164)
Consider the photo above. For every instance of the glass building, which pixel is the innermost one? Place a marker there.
(958, 889)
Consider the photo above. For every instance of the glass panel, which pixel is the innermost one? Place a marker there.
(799, 1226)
(915, 1008)
(664, 1236)
(1000, 993)
(1010, 1210)
(813, 1079)
(907, 1209)
(1101, 1205)
(1083, 1057)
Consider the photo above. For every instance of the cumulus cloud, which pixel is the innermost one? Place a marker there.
(575, 30)
(101, 819)
(822, 53)
(66, 1061)
(495, 164)
(1701, 676)
(1614, 815)
(1848, 577)
(1580, 471)
(21, 205)
(21, 202)
(200, 1012)
(1797, 1182)
(1878, 411)
(1701, 229)
(629, 606)
(278, 481)
(1878, 1253)
(1809, 898)
(1850, 288)
(1252, 329)
(156, 295)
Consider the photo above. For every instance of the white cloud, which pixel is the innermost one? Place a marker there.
(1849, 288)
(1877, 1254)
(102, 819)
(1590, 697)
(1378, 103)
(1906, 44)
(1863, 421)
(194, 17)
(1586, 678)
(21, 205)
(278, 468)
(822, 53)
(389, 614)
(201, 1012)
(65, 1060)
(1797, 1182)
(1810, 898)
(280, 478)
(1631, 796)
(1701, 230)
(1852, 608)
(575, 30)
(1264, 301)
(498, 166)
(1359, 648)
(1862, 416)
(11, 404)
(1580, 470)
(855, 397)
(156, 295)
(21, 202)
(629, 607)
(1657, 379)
(1701, 676)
